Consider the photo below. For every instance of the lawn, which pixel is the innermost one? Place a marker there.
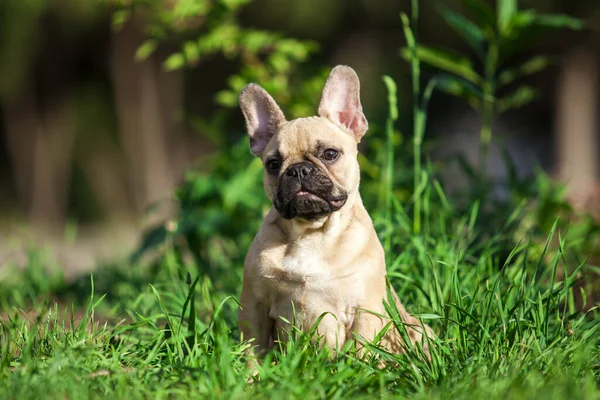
(507, 311)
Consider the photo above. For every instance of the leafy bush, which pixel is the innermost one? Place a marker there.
(203, 29)
(220, 212)
(221, 207)
(494, 37)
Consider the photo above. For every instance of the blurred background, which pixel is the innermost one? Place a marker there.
(104, 105)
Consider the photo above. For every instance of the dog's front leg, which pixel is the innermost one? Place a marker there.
(254, 324)
(366, 327)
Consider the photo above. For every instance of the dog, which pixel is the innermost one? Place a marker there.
(317, 250)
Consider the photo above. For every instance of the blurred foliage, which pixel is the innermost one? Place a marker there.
(500, 292)
(221, 201)
(494, 36)
(220, 212)
(221, 209)
(202, 29)
(20, 41)
(534, 205)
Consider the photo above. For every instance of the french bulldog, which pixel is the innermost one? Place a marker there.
(317, 250)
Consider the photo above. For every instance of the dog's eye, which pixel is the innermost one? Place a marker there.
(330, 154)
(273, 165)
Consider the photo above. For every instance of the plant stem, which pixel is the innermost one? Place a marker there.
(489, 94)
(389, 170)
(414, 17)
(417, 135)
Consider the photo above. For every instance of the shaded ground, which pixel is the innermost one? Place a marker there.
(77, 252)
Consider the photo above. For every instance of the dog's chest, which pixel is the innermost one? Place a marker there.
(306, 266)
(298, 272)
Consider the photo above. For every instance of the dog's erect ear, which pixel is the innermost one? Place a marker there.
(263, 116)
(340, 102)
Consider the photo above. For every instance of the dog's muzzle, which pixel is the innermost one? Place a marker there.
(306, 192)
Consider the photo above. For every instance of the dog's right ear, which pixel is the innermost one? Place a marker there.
(263, 116)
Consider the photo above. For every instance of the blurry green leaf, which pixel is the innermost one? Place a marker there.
(521, 34)
(237, 82)
(119, 18)
(255, 41)
(469, 31)
(297, 50)
(523, 19)
(408, 33)
(277, 86)
(446, 61)
(192, 54)
(234, 4)
(146, 49)
(263, 56)
(224, 36)
(505, 9)
(241, 188)
(483, 13)
(212, 221)
(392, 90)
(202, 187)
(227, 98)
(460, 88)
(519, 98)
(368, 168)
(529, 19)
(529, 67)
(559, 21)
(190, 8)
(175, 61)
(279, 62)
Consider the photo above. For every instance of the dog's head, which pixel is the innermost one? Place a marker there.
(310, 164)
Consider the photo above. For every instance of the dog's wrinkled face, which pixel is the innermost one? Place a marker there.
(310, 168)
(310, 164)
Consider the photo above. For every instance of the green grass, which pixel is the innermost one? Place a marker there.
(508, 327)
(499, 284)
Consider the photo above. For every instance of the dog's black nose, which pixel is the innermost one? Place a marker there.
(300, 170)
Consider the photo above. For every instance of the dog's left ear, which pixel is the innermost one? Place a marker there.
(340, 102)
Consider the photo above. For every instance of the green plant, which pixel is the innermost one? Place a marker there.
(534, 204)
(220, 206)
(495, 36)
(203, 29)
(419, 113)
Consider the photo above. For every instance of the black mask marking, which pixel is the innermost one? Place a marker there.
(306, 192)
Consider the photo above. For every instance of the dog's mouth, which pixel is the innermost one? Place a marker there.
(307, 193)
(310, 206)
(336, 203)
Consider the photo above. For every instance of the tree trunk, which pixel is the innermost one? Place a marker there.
(577, 125)
(146, 106)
